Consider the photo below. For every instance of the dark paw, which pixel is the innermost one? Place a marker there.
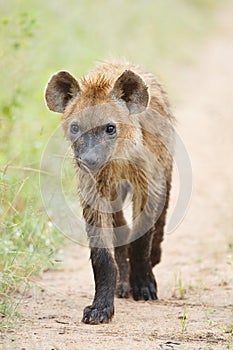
(123, 290)
(144, 286)
(94, 315)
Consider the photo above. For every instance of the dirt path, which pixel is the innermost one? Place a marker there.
(197, 257)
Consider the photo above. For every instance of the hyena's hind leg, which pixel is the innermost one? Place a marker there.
(159, 232)
(156, 243)
(122, 254)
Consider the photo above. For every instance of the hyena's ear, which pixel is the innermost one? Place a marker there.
(130, 88)
(61, 88)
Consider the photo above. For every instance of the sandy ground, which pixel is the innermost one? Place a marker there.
(195, 277)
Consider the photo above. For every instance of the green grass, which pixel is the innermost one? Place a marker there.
(179, 290)
(183, 319)
(28, 243)
(38, 38)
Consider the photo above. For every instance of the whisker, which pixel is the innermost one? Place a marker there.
(85, 167)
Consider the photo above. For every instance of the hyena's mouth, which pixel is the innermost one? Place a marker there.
(90, 167)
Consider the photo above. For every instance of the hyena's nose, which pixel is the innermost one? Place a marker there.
(90, 159)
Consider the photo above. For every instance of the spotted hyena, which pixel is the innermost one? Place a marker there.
(120, 126)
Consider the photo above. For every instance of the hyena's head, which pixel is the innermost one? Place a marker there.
(99, 115)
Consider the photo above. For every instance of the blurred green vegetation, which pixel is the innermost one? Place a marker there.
(38, 38)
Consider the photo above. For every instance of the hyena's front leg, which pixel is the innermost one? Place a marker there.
(142, 280)
(143, 283)
(104, 269)
(102, 308)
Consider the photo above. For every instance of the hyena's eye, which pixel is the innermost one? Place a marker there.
(110, 129)
(74, 128)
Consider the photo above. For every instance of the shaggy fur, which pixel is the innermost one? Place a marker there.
(136, 159)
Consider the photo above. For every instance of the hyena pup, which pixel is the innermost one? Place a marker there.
(121, 131)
